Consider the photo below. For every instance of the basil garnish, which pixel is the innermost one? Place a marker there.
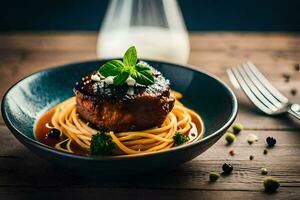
(130, 57)
(121, 78)
(111, 68)
(143, 75)
(129, 67)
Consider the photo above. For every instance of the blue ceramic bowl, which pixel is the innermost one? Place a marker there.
(25, 101)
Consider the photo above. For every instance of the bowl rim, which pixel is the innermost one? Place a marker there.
(45, 147)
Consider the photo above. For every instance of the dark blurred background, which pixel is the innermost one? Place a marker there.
(199, 15)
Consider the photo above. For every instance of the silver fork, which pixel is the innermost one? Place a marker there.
(260, 91)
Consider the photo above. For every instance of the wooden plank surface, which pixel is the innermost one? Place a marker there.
(24, 175)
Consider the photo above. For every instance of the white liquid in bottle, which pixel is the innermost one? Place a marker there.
(151, 43)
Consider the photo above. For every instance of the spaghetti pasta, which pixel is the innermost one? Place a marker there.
(77, 134)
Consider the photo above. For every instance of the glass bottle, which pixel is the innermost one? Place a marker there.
(155, 27)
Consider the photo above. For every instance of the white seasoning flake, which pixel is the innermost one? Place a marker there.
(130, 91)
(109, 80)
(95, 77)
(130, 81)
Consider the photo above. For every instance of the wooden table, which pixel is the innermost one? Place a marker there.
(23, 174)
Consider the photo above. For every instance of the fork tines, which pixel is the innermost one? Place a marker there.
(259, 90)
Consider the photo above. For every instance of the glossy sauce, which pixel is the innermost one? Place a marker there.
(41, 130)
(197, 128)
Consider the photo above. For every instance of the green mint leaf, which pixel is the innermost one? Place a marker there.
(143, 75)
(111, 68)
(130, 57)
(121, 78)
(122, 70)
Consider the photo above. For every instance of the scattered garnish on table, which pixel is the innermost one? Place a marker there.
(102, 144)
(286, 77)
(232, 152)
(265, 151)
(229, 137)
(297, 67)
(293, 92)
(251, 157)
(252, 138)
(213, 176)
(179, 139)
(264, 171)
(250, 142)
(271, 184)
(271, 142)
(237, 128)
(227, 168)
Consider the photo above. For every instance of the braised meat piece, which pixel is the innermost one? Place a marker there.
(123, 108)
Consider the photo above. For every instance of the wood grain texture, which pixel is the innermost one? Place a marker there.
(274, 53)
(283, 162)
(137, 193)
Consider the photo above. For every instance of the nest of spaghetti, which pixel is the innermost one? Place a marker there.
(120, 114)
(180, 126)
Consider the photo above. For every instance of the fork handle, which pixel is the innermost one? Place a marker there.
(295, 110)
